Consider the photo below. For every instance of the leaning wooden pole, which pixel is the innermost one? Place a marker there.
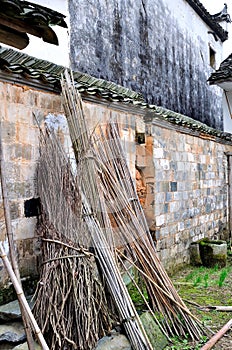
(10, 237)
(217, 336)
(21, 297)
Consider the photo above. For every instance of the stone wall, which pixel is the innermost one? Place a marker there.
(181, 178)
(160, 48)
(191, 192)
(20, 137)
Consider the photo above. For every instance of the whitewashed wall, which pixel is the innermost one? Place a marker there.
(187, 18)
(227, 110)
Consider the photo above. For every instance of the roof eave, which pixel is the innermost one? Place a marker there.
(207, 18)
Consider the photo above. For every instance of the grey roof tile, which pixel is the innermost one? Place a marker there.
(224, 72)
(19, 18)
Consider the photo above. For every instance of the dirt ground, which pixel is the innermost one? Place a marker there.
(201, 287)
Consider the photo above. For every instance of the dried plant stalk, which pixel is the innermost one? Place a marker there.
(71, 305)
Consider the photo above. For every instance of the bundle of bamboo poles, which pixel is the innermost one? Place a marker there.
(97, 218)
(133, 234)
(121, 229)
(70, 301)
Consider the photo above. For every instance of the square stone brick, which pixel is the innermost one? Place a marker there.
(173, 186)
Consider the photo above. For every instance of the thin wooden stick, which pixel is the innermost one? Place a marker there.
(10, 237)
(158, 287)
(80, 250)
(63, 257)
(98, 222)
(22, 299)
(216, 308)
(70, 305)
(217, 336)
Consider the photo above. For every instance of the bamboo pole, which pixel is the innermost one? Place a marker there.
(217, 336)
(10, 237)
(21, 297)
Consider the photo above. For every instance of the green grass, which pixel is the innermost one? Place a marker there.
(206, 280)
(204, 287)
(222, 277)
(205, 277)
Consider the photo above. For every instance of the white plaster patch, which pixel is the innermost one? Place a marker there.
(165, 164)
(159, 220)
(57, 122)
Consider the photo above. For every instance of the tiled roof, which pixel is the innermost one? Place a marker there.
(32, 70)
(17, 18)
(224, 73)
(48, 74)
(208, 19)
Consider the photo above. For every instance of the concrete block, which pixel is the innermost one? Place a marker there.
(14, 210)
(23, 151)
(158, 153)
(45, 101)
(8, 132)
(21, 190)
(173, 186)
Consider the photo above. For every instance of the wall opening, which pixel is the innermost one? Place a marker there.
(140, 138)
(32, 207)
(212, 57)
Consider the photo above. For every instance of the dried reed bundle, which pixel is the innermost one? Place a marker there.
(71, 305)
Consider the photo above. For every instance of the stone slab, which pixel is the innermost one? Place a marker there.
(11, 311)
(25, 347)
(113, 342)
(157, 339)
(12, 333)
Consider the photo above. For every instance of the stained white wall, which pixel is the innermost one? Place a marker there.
(187, 18)
(159, 48)
(227, 111)
(213, 7)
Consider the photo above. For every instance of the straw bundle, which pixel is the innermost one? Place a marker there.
(71, 305)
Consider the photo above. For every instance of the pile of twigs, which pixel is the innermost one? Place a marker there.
(118, 227)
(71, 305)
